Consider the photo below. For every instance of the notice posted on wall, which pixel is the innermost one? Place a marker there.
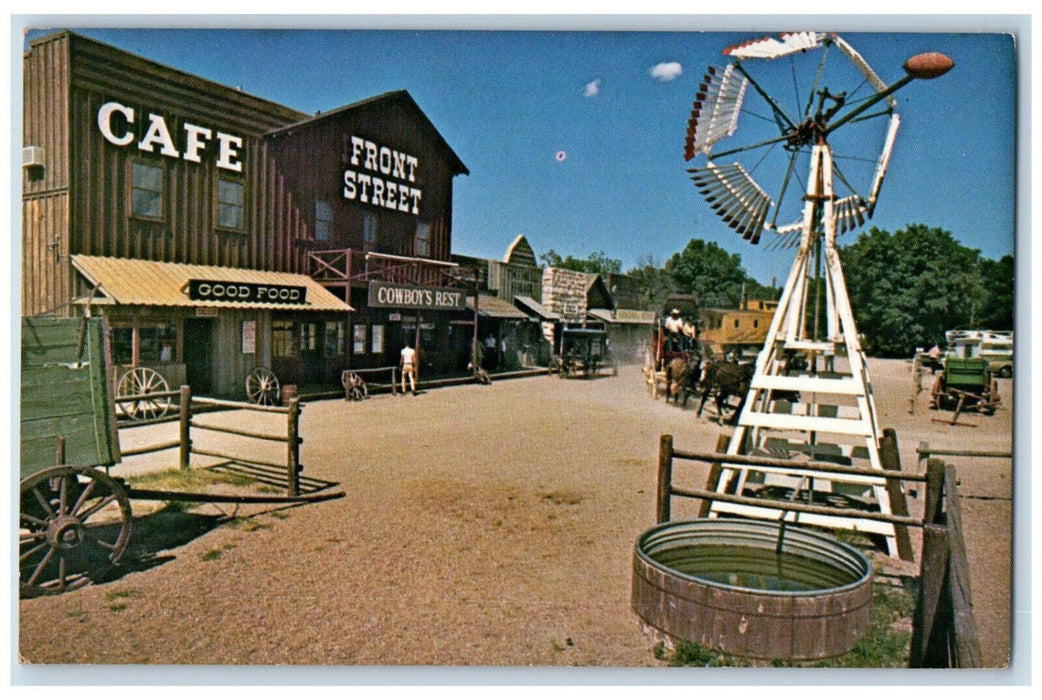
(249, 337)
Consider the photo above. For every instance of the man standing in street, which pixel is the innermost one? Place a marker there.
(407, 365)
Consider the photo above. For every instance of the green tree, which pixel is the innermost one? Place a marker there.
(708, 271)
(596, 263)
(654, 282)
(996, 309)
(908, 287)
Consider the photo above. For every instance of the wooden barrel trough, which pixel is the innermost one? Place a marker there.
(724, 584)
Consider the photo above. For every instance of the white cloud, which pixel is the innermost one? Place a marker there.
(665, 71)
(592, 88)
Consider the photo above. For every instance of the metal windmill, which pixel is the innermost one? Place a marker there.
(823, 112)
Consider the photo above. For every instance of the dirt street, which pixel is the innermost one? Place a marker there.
(482, 525)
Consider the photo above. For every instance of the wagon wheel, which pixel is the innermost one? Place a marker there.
(262, 387)
(71, 532)
(937, 392)
(991, 398)
(355, 388)
(138, 382)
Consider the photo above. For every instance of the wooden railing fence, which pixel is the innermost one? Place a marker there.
(944, 633)
(187, 422)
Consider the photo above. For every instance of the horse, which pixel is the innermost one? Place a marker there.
(677, 373)
(682, 376)
(728, 379)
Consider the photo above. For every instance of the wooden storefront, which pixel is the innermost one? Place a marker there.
(130, 160)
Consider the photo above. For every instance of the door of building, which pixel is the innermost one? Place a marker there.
(198, 354)
(311, 355)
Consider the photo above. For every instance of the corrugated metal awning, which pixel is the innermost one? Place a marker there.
(628, 316)
(127, 281)
(494, 307)
(534, 307)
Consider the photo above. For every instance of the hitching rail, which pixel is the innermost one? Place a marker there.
(373, 370)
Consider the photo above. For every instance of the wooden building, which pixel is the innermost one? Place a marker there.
(743, 329)
(219, 231)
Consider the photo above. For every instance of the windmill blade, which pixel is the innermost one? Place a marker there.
(862, 66)
(758, 219)
(884, 163)
(852, 211)
(849, 213)
(769, 47)
(736, 197)
(714, 113)
(788, 236)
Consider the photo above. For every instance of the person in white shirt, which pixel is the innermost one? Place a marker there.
(674, 326)
(408, 367)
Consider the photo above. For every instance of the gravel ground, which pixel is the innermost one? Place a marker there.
(481, 526)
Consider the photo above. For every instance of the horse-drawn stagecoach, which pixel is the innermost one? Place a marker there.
(584, 352)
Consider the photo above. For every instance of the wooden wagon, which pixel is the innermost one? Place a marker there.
(75, 520)
(584, 352)
(965, 384)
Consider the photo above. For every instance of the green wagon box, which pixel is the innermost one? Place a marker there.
(970, 374)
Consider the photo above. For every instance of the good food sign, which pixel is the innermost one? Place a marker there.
(398, 296)
(246, 292)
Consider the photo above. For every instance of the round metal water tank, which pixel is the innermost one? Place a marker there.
(727, 585)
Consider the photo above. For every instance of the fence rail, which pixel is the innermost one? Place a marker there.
(291, 439)
(925, 452)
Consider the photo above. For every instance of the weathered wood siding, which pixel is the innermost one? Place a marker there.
(67, 79)
(312, 158)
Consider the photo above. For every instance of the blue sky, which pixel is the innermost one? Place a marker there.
(509, 101)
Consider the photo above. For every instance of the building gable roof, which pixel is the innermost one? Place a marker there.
(520, 253)
(401, 97)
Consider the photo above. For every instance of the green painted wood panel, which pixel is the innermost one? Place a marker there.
(64, 393)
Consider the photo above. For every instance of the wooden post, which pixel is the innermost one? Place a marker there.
(59, 451)
(293, 449)
(923, 451)
(665, 478)
(185, 409)
(930, 625)
(890, 458)
(934, 513)
(964, 627)
(715, 470)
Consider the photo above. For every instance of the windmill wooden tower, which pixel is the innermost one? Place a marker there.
(810, 398)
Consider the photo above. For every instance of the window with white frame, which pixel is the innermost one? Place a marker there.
(377, 339)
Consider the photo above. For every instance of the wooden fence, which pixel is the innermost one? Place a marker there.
(944, 632)
(187, 421)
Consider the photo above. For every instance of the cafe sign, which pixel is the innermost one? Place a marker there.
(383, 295)
(246, 292)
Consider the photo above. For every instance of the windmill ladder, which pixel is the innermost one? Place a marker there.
(834, 416)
